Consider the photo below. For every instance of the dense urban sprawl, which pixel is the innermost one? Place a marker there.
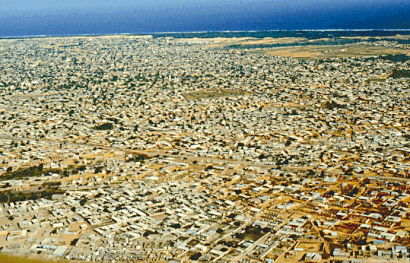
(133, 148)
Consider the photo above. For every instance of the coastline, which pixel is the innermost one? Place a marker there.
(202, 32)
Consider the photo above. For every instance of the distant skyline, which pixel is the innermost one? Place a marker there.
(45, 17)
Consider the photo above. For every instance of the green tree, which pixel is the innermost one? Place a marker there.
(195, 256)
(83, 201)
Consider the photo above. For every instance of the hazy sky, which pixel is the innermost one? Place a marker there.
(15, 7)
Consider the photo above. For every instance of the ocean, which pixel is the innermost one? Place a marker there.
(247, 17)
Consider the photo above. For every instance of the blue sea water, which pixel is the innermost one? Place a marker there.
(247, 17)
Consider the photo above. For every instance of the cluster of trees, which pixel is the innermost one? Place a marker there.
(252, 233)
(195, 256)
(148, 233)
(104, 126)
(12, 196)
(400, 74)
(83, 200)
(33, 171)
(330, 105)
(139, 158)
(228, 243)
(395, 57)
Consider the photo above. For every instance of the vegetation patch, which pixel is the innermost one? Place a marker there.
(395, 57)
(33, 171)
(375, 80)
(396, 74)
(104, 126)
(252, 233)
(330, 105)
(213, 93)
(139, 158)
(46, 192)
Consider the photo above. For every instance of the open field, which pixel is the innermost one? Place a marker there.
(10, 259)
(255, 41)
(315, 52)
(270, 40)
(220, 42)
(27, 96)
(310, 246)
(297, 39)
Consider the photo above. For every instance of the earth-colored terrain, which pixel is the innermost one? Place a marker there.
(314, 52)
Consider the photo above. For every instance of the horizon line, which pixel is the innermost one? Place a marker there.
(194, 32)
